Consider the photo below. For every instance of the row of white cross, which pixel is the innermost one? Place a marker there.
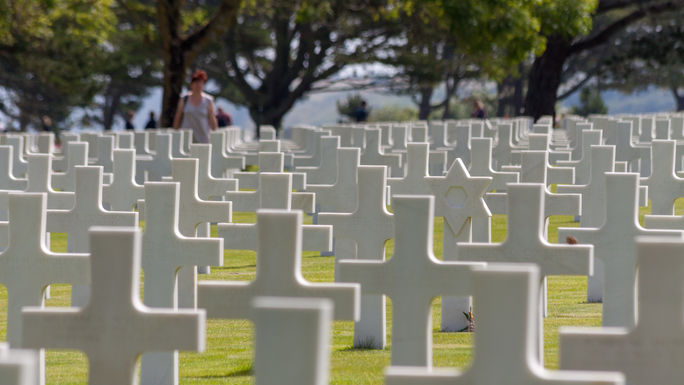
(177, 213)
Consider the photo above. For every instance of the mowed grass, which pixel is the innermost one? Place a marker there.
(228, 357)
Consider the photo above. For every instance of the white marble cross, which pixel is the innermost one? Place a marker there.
(194, 217)
(165, 251)
(583, 164)
(77, 156)
(336, 197)
(269, 162)
(414, 182)
(502, 153)
(504, 346)
(59, 163)
(27, 266)
(662, 129)
(664, 185)
(526, 239)
(324, 172)
(652, 351)
(362, 234)
(462, 135)
(458, 198)
(38, 175)
(625, 149)
(157, 166)
(142, 143)
(17, 367)
(481, 165)
(542, 142)
(4, 234)
(19, 162)
(614, 244)
(374, 155)
(221, 161)
(7, 179)
(124, 140)
(178, 143)
(87, 212)
(209, 188)
(123, 193)
(292, 340)
(275, 193)
(114, 328)
(535, 166)
(602, 160)
(278, 274)
(105, 151)
(534, 170)
(412, 278)
(326, 145)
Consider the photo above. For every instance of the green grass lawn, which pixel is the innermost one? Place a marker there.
(228, 357)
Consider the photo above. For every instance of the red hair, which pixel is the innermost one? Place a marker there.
(199, 75)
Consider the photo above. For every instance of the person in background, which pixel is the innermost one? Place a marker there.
(223, 118)
(361, 113)
(129, 120)
(152, 122)
(479, 110)
(49, 127)
(196, 110)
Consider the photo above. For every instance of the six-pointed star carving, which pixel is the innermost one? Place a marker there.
(473, 187)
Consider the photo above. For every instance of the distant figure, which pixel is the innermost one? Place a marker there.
(223, 118)
(49, 127)
(361, 113)
(47, 123)
(478, 110)
(129, 120)
(196, 110)
(152, 122)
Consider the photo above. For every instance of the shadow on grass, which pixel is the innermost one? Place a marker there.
(239, 373)
(368, 345)
(237, 267)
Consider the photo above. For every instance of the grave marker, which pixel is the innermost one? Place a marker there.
(664, 185)
(278, 274)
(362, 235)
(27, 266)
(504, 347)
(114, 328)
(292, 340)
(412, 278)
(17, 367)
(165, 251)
(7, 179)
(86, 212)
(614, 244)
(38, 176)
(123, 193)
(77, 156)
(650, 352)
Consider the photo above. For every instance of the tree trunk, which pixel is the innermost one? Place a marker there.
(111, 106)
(545, 78)
(267, 116)
(175, 68)
(503, 96)
(424, 107)
(518, 94)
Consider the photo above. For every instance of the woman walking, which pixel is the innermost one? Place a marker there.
(196, 110)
